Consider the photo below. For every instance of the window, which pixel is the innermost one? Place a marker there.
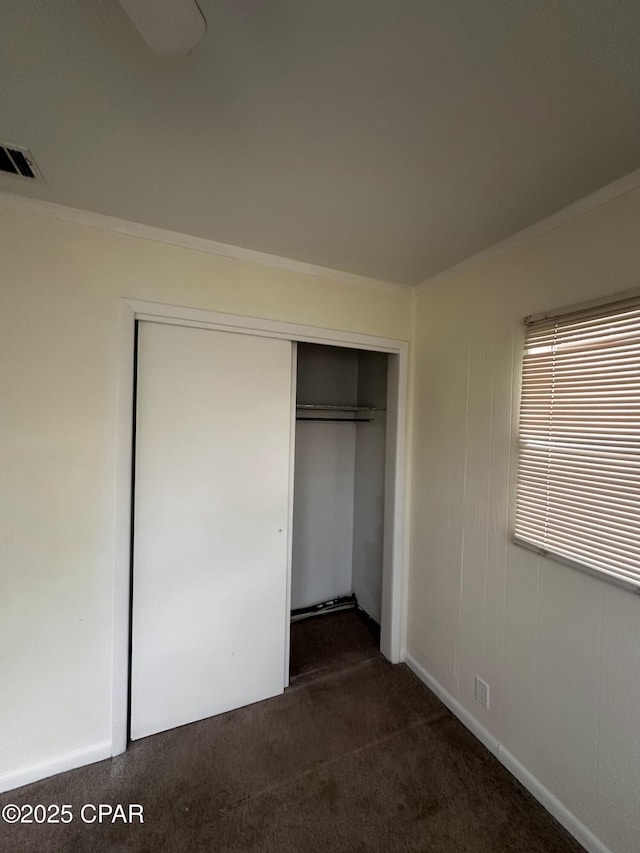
(578, 486)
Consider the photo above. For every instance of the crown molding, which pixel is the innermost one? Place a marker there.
(54, 210)
(578, 208)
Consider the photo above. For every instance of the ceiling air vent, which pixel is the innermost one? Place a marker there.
(18, 161)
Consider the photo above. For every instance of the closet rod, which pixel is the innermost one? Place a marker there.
(330, 407)
(339, 420)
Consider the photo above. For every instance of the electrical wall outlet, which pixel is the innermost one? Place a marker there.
(482, 692)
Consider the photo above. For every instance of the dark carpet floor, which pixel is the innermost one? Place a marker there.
(356, 756)
(330, 642)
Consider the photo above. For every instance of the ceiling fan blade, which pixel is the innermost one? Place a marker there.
(169, 27)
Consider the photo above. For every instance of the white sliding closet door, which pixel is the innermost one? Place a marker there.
(211, 518)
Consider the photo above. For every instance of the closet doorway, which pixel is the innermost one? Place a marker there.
(338, 505)
(376, 593)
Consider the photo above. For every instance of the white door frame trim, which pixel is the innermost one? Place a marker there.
(394, 567)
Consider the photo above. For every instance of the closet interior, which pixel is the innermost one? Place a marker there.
(338, 506)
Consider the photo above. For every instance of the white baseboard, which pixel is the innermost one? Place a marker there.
(70, 761)
(552, 804)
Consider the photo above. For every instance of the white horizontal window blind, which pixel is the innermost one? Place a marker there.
(578, 488)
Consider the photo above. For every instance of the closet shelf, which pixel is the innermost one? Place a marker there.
(329, 407)
(323, 409)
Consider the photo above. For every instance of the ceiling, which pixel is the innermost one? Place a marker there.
(389, 138)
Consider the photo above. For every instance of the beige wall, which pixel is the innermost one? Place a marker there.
(60, 290)
(560, 649)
